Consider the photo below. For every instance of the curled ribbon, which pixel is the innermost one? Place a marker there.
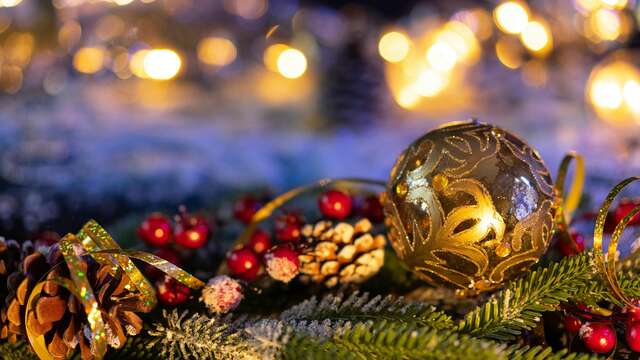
(607, 266)
(265, 211)
(94, 241)
(568, 204)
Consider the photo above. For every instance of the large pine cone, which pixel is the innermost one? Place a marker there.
(59, 316)
(341, 254)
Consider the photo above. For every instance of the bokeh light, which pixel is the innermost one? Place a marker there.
(537, 37)
(271, 55)
(89, 60)
(162, 64)
(292, 63)
(614, 91)
(606, 24)
(9, 3)
(217, 51)
(248, 9)
(442, 56)
(394, 46)
(511, 17)
(430, 83)
(509, 54)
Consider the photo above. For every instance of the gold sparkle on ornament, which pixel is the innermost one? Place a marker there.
(402, 189)
(503, 250)
(440, 182)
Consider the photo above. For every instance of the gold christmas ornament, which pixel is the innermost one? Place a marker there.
(469, 205)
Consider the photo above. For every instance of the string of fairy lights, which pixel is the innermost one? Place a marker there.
(427, 57)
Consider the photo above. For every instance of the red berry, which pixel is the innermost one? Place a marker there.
(192, 231)
(243, 263)
(633, 312)
(571, 246)
(171, 292)
(372, 209)
(282, 263)
(245, 208)
(572, 324)
(166, 253)
(288, 227)
(155, 230)
(598, 337)
(335, 204)
(624, 207)
(632, 334)
(260, 241)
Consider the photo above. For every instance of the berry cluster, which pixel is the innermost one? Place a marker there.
(278, 251)
(170, 238)
(598, 329)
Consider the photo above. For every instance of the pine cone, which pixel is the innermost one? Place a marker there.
(341, 254)
(11, 256)
(59, 316)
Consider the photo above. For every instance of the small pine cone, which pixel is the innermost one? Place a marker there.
(341, 254)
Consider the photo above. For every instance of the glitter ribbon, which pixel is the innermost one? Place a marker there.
(94, 241)
(607, 264)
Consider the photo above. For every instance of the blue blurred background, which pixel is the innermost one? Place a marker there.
(118, 106)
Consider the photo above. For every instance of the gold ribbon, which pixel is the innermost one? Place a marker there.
(94, 241)
(567, 205)
(607, 266)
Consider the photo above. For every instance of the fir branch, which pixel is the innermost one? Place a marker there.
(521, 304)
(197, 337)
(383, 340)
(538, 352)
(361, 307)
(20, 350)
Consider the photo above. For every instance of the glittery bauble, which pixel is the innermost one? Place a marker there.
(469, 206)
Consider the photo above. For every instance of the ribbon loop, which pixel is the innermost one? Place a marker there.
(568, 204)
(608, 266)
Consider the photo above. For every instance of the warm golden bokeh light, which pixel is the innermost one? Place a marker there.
(10, 78)
(511, 17)
(69, 34)
(508, 53)
(248, 9)
(394, 46)
(478, 20)
(606, 24)
(614, 91)
(89, 60)
(18, 49)
(536, 37)
(161, 64)
(462, 40)
(430, 83)
(9, 3)
(292, 63)
(271, 55)
(217, 51)
(408, 97)
(614, 4)
(442, 56)
(136, 64)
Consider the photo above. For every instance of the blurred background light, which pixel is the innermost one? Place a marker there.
(613, 90)
(89, 60)
(217, 51)
(511, 17)
(161, 64)
(536, 37)
(394, 46)
(292, 63)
